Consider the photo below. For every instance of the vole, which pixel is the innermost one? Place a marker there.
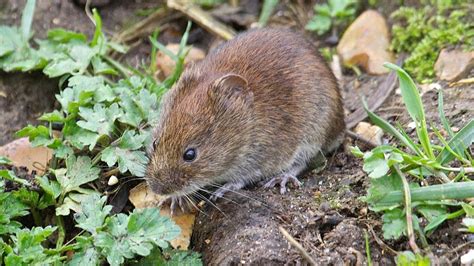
(260, 106)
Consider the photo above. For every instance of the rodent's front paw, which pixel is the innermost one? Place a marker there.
(282, 180)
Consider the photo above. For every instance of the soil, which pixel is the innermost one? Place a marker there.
(326, 215)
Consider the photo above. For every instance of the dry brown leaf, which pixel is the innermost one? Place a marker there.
(21, 153)
(142, 197)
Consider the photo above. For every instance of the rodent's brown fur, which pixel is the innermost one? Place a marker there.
(279, 109)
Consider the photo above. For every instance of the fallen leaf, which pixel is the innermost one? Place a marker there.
(142, 197)
(21, 153)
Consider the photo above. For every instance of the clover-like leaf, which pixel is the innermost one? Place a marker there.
(79, 171)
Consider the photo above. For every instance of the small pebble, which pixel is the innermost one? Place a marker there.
(468, 258)
(113, 180)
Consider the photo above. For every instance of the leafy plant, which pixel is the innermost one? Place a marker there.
(403, 203)
(423, 32)
(104, 120)
(333, 14)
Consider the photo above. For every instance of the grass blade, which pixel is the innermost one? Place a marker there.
(385, 126)
(442, 116)
(410, 94)
(267, 10)
(27, 19)
(98, 28)
(463, 139)
(412, 100)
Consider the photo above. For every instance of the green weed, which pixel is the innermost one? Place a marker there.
(333, 14)
(105, 115)
(423, 32)
(390, 169)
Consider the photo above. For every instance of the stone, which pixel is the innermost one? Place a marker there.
(366, 43)
(452, 65)
(369, 132)
(166, 65)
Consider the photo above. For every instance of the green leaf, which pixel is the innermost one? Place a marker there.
(468, 209)
(412, 100)
(100, 119)
(319, 24)
(138, 233)
(10, 38)
(387, 127)
(133, 161)
(100, 67)
(463, 139)
(37, 135)
(55, 116)
(394, 224)
(73, 201)
(10, 208)
(27, 19)
(407, 258)
(379, 189)
(442, 116)
(27, 249)
(78, 172)
(469, 223)
(4, 160)
(93, 213)
(98, 35)
(64, 36)
(74, 60)
(85, 256)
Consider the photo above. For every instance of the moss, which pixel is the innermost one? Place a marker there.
(423, 32)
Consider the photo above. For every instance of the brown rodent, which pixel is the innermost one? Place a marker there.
(261, 105)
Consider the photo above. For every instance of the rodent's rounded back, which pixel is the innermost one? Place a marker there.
(246, 110)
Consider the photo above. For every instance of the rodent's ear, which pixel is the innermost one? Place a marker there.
(231, 88)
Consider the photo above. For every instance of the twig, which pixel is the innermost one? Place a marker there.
(297, 245)
(202, 18)
(357, 137)
(380, 242)
(111, 172)
(143, 27)
(408, 210)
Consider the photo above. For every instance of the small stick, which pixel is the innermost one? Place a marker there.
(203, 18)
(297, 245)
(143, 27)
(380, 242)
(357, 137)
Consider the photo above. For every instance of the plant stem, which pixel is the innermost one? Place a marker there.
(121, 69)
(61, 231)
(408, 209)
(467, 170)
(12, 177)
(367, 248)
(36, 217)
(453, 191)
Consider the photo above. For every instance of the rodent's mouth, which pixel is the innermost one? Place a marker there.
(172, 190)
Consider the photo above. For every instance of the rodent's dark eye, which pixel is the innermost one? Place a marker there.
(189, 155)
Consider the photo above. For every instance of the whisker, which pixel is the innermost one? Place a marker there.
(210, 202)
(212, 193)
(239, 193)
(194, 205)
